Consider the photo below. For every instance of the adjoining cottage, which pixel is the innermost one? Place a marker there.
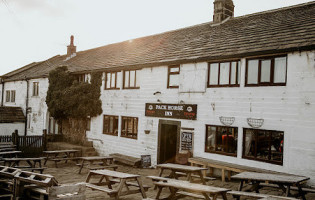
(238, 89)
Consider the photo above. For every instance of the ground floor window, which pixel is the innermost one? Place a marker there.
(221, 140)
(129, 127)
(263, 145)
(110, 125)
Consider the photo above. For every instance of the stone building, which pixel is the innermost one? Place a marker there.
(238, 89)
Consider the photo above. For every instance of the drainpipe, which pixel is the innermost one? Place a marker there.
(26, 105)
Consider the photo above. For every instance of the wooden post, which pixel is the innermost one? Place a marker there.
(15, 139)
(45, 139)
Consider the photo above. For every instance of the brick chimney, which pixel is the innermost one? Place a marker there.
(71, 49)
(222, 10)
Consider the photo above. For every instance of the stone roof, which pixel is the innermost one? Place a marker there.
(11, 114)
(276, 31)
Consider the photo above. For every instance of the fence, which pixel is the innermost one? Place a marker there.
(31, 146)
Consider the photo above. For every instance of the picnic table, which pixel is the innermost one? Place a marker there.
(131, 182)
(10, 154)
(59, 155)
(33, 163)
(103, 161)
(177, 170)
(285, 182)
(180, 189)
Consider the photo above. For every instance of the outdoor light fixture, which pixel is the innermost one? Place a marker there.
(255, 123)
(227, 121)
(147, 131)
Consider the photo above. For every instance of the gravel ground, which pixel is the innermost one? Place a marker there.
(68, 173)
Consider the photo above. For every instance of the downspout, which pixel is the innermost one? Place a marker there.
(26, 105)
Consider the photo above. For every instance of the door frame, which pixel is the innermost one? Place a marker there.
(167, 122)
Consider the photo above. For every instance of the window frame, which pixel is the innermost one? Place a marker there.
(237, 78)
(110, 133)
(10, 96)
(169, 74)
(111, 87)
(135, 81)
(257, 141)
(133, 135)
(35, 89)
(272, 71)
(220, 152)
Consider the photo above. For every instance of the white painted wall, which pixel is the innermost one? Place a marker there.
(9, 128)
(288, 108)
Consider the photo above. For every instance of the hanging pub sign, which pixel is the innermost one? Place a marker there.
(177, 111)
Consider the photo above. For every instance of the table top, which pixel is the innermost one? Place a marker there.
(23, 159)
(180, 167)
(114, 174)
(275, 178)
(191, 186)
(61, 151)
(9, 152)
(93, 158)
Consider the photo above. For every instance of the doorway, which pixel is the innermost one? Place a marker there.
(168, 141)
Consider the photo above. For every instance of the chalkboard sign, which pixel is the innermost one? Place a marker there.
(186, 140)
(145, 161)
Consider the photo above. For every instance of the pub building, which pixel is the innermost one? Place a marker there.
(237, 89)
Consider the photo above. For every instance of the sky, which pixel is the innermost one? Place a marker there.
(35, 30)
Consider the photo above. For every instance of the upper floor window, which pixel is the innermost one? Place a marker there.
(221, 140)
(111, 80)
(173, 76)
(35, 88)
(263, 145)
(131, 81)
(267, 71)
(224, 74)
(129, 127)
(10, 96)
(110, 125)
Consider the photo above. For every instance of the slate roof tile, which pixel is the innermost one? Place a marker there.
(11, 114)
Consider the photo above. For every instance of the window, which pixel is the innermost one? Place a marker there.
(130, 80)
(111, 80)
(10, 96)
(221, 140)
(267, 71)
(35, 89)
(224, 74)
(263, 145)
(173, 76)
(110, 125)
(129, 127)
(80, 78)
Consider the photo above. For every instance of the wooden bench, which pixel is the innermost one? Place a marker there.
(207, 178)
(146, 187)
(236, 194)
(127, 160)
(224, 166)
(110, 192)
(306, 190)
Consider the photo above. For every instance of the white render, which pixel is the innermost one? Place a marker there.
(9, 128)
(289, 108)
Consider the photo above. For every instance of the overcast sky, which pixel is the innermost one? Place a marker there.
(35, 30)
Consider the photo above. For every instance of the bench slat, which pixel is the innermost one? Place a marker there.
(103, 189)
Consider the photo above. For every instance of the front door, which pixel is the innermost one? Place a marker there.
(168, 141)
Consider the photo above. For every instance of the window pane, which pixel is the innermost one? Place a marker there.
(174, 80)
(233, 72)
(280, 70)
(132, 78)
(265, 71)
(107, 80)
(239, 72)
(224, 73)
(13, 96)
(113, 80)
(137, 79)
(211, 138)
(7, 96)
(252, 73)
(126, 79)
(111, 125)
(106, 125)
(174, 69)
(249, 143)
(214, 70)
